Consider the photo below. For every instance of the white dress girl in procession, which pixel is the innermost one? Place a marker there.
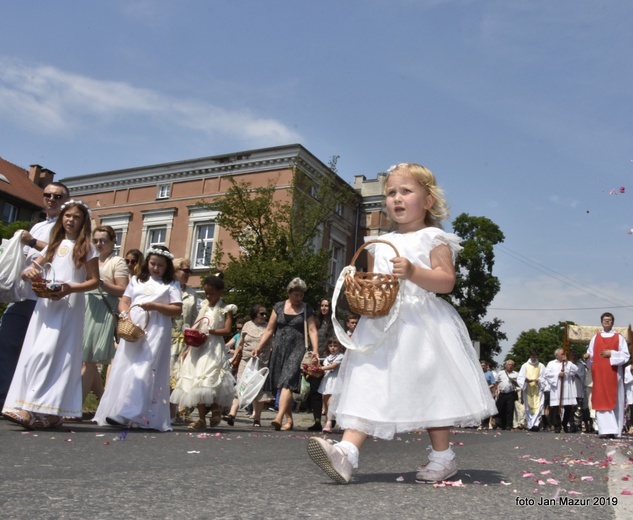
(415, 368)
(137, 393)
(328, 383)
(46, 386)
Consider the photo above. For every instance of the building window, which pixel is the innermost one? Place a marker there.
(119, 240)
(156, 237)
(340, 209)
(163, 191)
(337, 261)
(9, 213)
(203, 246)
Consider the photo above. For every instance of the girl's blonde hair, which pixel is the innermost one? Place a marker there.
(426, 179)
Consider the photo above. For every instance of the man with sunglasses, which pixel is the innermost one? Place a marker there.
(16, 318)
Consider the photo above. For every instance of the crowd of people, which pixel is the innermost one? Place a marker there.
(589, 393)
(133, 332)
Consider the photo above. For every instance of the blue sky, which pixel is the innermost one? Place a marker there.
(522, 109)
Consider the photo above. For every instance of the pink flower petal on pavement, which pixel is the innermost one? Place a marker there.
(506, 483)
(552, 481)
(546, 472)
(526, 475)
(574, 493)
(588, 479)
(540, 482)
(625, 491)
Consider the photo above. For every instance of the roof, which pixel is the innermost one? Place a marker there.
(19, 184)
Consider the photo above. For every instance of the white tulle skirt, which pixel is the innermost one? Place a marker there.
(423, 374)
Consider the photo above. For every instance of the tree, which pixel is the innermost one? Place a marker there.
(277, 237)
(475, 285)
(544, 340)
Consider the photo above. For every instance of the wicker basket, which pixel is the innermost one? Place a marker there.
(371, 294)
(128, 330)
(195, 337)
(46, 288)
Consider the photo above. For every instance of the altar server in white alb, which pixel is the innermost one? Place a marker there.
(560, 374)
(606, 356)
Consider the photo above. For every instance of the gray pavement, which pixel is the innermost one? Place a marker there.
(86, 471)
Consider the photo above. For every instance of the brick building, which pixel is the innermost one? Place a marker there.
(159, 204)
(21, 192)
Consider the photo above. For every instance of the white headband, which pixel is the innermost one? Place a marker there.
(154, 251)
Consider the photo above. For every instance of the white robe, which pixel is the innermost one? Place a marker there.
(552, 372)
(533, 418)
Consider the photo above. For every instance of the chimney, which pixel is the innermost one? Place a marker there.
(39, 176)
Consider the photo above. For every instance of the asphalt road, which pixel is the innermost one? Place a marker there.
(84, 471)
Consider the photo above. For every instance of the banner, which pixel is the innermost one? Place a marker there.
(584, 333)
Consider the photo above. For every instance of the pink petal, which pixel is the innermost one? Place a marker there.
(526, 475)
(552, 481)
(626, 492)
(574, 493)
(546, 472)
(588, 479)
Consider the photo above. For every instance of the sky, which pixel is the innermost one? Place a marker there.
(521, 109)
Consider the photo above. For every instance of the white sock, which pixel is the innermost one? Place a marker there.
(442, 456)
(351, 451)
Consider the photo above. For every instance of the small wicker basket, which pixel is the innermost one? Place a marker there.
(371, 294)
(128, 330)
(46, 288)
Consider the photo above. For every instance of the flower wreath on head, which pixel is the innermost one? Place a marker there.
(160, 252)
(77, 202)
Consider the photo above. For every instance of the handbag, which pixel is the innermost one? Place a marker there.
(304, 390)
(128, 330)
(251, 382)
(12, 263)
(195, 337)
(237, 359)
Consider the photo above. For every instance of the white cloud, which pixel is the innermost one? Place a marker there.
(49, 100)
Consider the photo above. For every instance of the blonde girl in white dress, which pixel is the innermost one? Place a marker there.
(418, 369)
(205, 375)
(46, 386)
(137, 393)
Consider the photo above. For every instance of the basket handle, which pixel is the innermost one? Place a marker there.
(363, 246)
(50, 268)
(199, 321)
(146, 315)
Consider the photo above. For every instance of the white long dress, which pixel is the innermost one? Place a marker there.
(47, 379)
(138, 387)
(205, 374)
(424, 372)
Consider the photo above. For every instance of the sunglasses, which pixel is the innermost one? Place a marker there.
(55, 196)
(100, 240)
(186, 271)
(263, 313)
(131, 262)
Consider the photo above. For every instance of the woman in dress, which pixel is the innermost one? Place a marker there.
(288, 322)
(137, 393)
(98, 341)
(252, 332)
(205, 377)
(46, 386)
(325, 331)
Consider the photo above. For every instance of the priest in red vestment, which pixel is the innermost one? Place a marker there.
(606, 356)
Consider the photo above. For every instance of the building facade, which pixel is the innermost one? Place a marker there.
(161, 204)
(21, 192)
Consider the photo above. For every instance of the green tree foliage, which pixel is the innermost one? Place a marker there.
(276, 238)
(544, 340)
(476, 286)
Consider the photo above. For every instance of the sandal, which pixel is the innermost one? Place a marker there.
(22, 418)
(276, 424)
(257, 423)
(216, 415)
(230, 420)
(200, 425)
(287, 427)
(47, 422)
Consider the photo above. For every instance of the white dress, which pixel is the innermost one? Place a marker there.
(205, 374)
(424, 372)
(329, 379)
(138, 386)
(47, 379)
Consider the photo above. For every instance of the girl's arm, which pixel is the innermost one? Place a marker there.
(226, 329)
(168, 309)
(124, 304)
(333, 366)
(34, 272)
(92, 281)
(268, 333)
(439, 279)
